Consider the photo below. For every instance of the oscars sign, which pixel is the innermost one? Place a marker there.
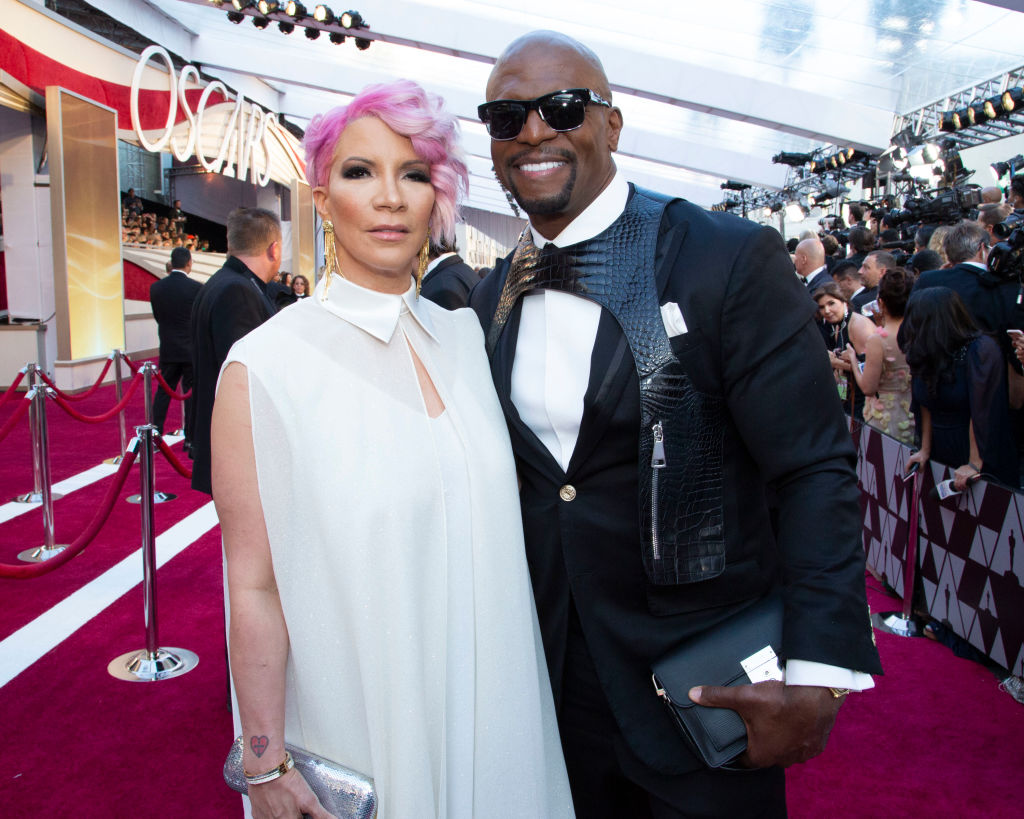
(237, 131)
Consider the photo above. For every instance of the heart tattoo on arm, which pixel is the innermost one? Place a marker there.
(258, 745)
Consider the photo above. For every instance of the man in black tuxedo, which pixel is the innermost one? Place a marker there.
(809, 260)
(992, 302)
(654, 338)
(232, 302)
(871, 271)
(171, 299)
(448, 280)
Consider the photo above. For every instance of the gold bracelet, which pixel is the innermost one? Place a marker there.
(273, 773)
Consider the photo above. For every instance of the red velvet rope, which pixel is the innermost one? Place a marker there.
(106, 416)
(11, 389)
(27, 570)
(172, 459)
(177, 396)
(77, 396)
(15, 417)
(131, 364)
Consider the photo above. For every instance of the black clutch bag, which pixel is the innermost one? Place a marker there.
(743, 649)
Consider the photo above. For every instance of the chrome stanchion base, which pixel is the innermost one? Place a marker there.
(164, 663)
(158, 497)
(41, 553)
(896, 622)
(35, 497)
(115, 460)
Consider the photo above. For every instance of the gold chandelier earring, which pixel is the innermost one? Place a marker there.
(330, 255)
(424, 260)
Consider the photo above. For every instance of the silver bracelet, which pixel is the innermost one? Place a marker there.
(273, 773)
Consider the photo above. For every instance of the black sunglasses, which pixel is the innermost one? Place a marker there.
(562, 110)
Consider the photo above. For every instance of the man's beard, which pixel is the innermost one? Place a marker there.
(555, 203)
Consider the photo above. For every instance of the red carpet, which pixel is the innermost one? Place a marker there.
(935, 738)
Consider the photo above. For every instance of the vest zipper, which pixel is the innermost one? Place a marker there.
(657, 463)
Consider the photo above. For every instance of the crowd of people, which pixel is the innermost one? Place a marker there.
(923, 347)
(141, 228)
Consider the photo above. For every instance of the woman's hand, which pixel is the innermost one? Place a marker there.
(287, 797)
(920, 458)
(838, 362)
(963, 474)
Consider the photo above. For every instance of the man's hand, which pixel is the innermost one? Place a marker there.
(786, 724)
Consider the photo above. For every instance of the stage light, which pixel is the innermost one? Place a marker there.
(337, 38)
(362, 43)
(312, 33)
(947, 124)
(242, 5)
(925, 154)
(961, 118)
(794, 160)
(1011, 99)
(351, 19)
(236, 17)
(261, 22)
(268, 6)
(294, 10)
(323, 14)
(286, 27)
(795, 212)
(976, 113)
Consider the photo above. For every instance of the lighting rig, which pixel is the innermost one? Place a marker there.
(290, 14)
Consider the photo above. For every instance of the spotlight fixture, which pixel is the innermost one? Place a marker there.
(795, 212)
(947, 123)
(977, 113)
(323, 14)
(261, 22)
(351, 19)
(362, 43)
(312, 33)
(337, 38)
(794, 160)
(1012, 99)
(286, 27)
(242, 5)
(295, 10)
(236, 17)
(268, 6)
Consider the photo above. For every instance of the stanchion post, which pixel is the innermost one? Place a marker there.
(36, 495)
(151, 663)
(903, 623)
(49, 548)
(147, 375)
(122, 427)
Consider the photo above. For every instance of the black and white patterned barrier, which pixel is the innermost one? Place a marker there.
(970, 554)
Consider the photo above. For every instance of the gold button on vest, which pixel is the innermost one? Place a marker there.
(567, 492)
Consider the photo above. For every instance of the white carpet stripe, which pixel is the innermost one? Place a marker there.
(48, 630)
(9, 511)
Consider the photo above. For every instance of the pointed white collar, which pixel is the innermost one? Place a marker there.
(369, 310)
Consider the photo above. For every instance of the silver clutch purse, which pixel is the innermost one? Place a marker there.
(345, 793)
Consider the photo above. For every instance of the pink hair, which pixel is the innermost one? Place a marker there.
(410, 111)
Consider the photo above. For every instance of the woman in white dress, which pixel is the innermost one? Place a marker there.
(391, 629)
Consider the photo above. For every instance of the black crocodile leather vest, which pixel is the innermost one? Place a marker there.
(681, 429)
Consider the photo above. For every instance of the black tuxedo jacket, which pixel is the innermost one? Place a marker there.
(231, 303)
(820, 280)
(171, 299)
(449, 283)
(991, 303)
(751, 340)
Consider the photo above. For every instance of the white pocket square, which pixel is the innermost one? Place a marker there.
(672, 318)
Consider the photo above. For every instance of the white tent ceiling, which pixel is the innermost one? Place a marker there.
(709, 91)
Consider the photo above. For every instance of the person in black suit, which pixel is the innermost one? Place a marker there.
(172, 298)
(871, 271)
(809, 260)
(232, 302)
(651, 326)
(992, 302)
(448, 279)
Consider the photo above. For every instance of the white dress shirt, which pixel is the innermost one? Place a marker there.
(551, 372)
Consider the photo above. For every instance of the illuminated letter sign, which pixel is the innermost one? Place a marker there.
(246, 127)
